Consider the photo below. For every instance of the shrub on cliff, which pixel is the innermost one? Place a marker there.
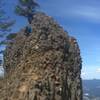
(26, 8)
(11, 36)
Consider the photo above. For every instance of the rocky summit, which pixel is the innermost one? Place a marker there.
(42, 65)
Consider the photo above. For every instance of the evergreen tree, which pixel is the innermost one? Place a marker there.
(26, 8)
(5, 22)
(5, 25)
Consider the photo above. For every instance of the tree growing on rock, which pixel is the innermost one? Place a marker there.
(5, 22)
(5, 25)
(26, 8)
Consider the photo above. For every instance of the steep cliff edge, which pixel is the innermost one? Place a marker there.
(46, 65)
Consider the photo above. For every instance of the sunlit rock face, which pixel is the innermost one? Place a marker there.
(45, 65)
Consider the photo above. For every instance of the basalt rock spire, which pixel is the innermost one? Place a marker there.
(46, 65)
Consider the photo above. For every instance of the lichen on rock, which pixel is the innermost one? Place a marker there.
(43, 66)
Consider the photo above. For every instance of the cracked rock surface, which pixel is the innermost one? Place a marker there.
(46, 65)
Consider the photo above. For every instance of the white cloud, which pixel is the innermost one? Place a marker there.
(83, 73)
(90, 72)
(90, 13)
(98, 70)
(88, 10)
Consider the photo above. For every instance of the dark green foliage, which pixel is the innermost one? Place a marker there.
(4, 42)
(5, 25)
(2, 51)
(5, 22)
(11, 36)
(26, 8)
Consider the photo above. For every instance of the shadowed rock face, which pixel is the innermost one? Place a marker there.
(46, 65)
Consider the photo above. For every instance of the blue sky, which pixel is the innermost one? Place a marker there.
(81, 18)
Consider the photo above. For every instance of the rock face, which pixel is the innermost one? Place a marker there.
(45, 65)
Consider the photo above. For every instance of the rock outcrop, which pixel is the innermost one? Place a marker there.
(46, 65)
